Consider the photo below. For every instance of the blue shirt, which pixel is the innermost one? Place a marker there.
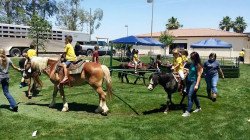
(211, 67)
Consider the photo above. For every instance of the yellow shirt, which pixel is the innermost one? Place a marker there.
(31, 53)
(70, 53)
(242, 53)
(136, 57)
(178, 61)
(184, 58)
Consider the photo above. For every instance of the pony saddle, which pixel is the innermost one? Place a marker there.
(132, 65)
(76, 67)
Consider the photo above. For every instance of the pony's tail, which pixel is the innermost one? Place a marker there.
(107, 78)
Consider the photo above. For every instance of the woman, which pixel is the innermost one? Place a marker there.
(212, 67)
(5, 63)
(193, 82)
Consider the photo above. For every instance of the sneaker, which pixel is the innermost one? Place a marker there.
(186, 114)
(197, 110)
(14, 109)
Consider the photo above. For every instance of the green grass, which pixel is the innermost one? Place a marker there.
(224, 119)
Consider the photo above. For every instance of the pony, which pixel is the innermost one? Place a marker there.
(169, 83)
(129, 65)
(92, 73)
(33, 87)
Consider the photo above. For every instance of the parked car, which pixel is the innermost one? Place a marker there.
(88, 48)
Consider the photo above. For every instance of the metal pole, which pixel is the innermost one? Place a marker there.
(152, 24)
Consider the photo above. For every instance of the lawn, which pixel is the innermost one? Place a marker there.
(227, 118)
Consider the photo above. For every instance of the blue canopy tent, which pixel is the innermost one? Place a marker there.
(153, 42)
(131, 40)
(211, 43)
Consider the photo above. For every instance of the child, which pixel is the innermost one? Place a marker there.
(136, 59)
(22, 66)
(31, 52)
(184, 56)
(158, 62)
(178, 67)
(5, 64)
(95, 56)
(69, 56)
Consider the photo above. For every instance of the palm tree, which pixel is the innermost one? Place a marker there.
(173, 23)
(226, 23)
(239, 25)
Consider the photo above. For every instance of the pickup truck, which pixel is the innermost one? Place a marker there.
(88, 48)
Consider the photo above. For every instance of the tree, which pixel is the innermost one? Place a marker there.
(167, 39)
(40, 30)
(13, 11)
(173, 23)
(226, 23)
(70, 15)
(239, 25)
(94, 20)
(43, 8)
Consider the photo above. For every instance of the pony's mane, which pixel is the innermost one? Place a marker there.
(39, 63)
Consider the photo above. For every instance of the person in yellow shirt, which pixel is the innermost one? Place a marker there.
(241, 57)
(136, 59)
(31, 52)
(178, 66)
(69, 57)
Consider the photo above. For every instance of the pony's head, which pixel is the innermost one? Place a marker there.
(33, 68)
(154, 81)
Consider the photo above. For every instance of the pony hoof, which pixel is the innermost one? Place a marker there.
(104, 113)
(29, 97)
(165, 112)
(99, 110)
(65, 110)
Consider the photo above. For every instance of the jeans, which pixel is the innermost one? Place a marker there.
(192, 96)
(212, 81)
(5, 87)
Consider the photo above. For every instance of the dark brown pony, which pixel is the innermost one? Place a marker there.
(130, 66)
(92, 73)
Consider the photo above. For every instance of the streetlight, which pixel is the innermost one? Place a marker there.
(127, 29)
(127, 35)
(152, 17)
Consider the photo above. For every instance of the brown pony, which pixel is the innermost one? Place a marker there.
(92, 73)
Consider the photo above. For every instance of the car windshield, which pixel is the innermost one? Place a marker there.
(102, 43)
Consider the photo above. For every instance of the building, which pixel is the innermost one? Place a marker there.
(183, 38)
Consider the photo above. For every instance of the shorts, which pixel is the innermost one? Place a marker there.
(67, 63)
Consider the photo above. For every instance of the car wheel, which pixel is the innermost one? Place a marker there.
(15, 52)
(25, 50)
(89, 52)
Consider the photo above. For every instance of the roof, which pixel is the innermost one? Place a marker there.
(198, 32)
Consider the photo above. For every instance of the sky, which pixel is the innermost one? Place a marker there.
(137, 15)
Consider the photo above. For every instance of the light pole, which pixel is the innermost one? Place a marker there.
(152, 19)
(127, 29)
(127, 36)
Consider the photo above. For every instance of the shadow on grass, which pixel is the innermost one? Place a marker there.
(163, 107)
(72, 106)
